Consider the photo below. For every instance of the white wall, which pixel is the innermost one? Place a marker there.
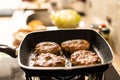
(9, 4)
(111, 8)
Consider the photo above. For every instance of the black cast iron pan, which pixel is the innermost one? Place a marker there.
(98, 44)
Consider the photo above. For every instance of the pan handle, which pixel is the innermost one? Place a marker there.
(9, 50)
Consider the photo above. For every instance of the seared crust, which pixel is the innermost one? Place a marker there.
(74, 45)
(84, 57)
(47, 47)
(49, 60)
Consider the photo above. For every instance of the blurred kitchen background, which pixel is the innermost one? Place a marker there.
(93, 12)
(98, 12)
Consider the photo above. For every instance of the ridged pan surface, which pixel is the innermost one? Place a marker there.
(97, 42)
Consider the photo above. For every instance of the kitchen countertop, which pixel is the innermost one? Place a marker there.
(8, 27)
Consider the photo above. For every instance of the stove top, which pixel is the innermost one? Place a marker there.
(111, 74)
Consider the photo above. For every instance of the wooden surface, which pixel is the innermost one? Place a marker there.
(116, 62)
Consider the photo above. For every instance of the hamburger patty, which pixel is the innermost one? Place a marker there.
(74, 45)
(47, 47)
(48, 60)
(84, 57)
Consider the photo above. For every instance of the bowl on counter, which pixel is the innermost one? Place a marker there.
(42, 15)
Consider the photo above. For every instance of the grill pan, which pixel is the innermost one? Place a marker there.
(97, 42)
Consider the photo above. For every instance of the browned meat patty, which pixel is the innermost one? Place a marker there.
(47, 47)
(49, 60)
(74, 45)
(84, 57)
